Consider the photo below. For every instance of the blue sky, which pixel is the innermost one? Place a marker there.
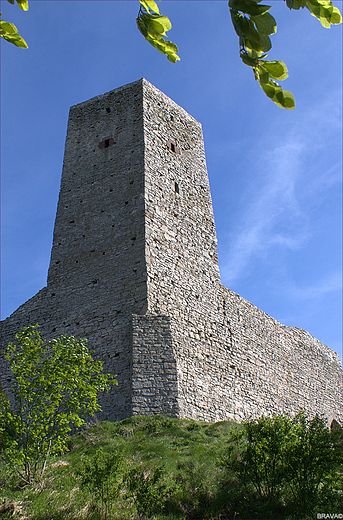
(275, 175)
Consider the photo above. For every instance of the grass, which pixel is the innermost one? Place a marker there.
(186, 451)
(161, 468)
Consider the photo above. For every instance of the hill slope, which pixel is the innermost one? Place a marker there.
(181, 455)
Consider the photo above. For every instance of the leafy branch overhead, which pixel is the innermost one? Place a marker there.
(153, 25)
(253, 25)
(9, 32)
(252, 22)
(324, 10)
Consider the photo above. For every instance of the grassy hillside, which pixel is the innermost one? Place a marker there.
(186, 452)
(162, 468)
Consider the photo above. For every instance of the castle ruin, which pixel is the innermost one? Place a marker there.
(134, 269)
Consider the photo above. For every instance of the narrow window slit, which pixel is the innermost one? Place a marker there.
(106, 143)
(172, 147)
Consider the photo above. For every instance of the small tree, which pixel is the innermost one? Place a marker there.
(56, 384)
(260, 461)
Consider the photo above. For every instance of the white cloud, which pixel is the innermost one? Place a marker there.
(272, 215)
(289, 181)
(328, 284)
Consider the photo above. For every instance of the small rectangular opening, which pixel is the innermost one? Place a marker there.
(177, 189)
(106, 143)
(172, 147)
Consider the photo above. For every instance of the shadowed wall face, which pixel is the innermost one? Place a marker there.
(97, 273)
(98, 247)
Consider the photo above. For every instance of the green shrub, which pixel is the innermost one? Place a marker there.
(101, 475)
(149, 490)
(278, 467)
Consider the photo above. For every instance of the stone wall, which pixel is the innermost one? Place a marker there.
(134, 269)
(154, 374)
(97, 273)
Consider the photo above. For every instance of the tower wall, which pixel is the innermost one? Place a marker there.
(97, 273)
(181, 244)
(134, 269)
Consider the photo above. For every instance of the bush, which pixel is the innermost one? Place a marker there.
(283, 467)
(149, 489)
(101, 475)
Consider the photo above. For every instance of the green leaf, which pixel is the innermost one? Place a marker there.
(171, 47)
(287, 101)
(7, 27)
(236, 22)
(336, 17)
(263, 44)
(263, 75)
(252, 39)
(276, 69)
(144, 5)
(165, 22)
(250, 7)
(248, 29)
(173, 58)
(251, 62)
(23, 4)
(165, 47)
(154, 27)
(255, 55)
(153, 6)
(325, 11)
(296, 4)
(265, 23)
(16, 39)
(9, 32)
(281, 98)
(158, 44)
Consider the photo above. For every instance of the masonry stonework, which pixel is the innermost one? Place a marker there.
(134, 269)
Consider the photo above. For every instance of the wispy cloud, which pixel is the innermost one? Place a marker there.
(328, 179)
(272, 216)
(289, 180)
(328, 284)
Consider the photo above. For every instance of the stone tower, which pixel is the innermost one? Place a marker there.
(134, 269)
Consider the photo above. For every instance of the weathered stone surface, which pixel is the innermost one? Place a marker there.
(134, 269)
